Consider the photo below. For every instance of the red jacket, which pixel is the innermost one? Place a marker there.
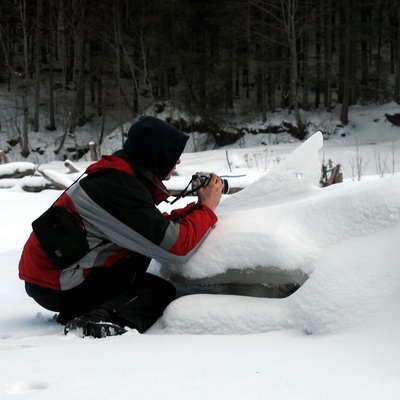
(118, 209)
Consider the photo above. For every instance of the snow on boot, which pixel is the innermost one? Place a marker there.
(95, 324)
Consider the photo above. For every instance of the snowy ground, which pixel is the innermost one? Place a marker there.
(336, 337)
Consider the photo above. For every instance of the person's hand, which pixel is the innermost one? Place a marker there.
(212, 193)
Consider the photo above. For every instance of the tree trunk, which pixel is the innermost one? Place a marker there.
(38, 44)
(78, 108)
(261, 75)
(328, 56)
(25, 81)
(289, 8)
(117, 35)
(52, 121)
(396, 46)
(99, 92)
(229, 70)
(305, 46)
(365, 15)
(272, 79)
(80, 93)
(63, 38)
(344, 113)
(318, 57)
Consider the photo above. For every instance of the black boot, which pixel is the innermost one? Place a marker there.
(97, 323)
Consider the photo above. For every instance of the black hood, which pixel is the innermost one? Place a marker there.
(155, 145)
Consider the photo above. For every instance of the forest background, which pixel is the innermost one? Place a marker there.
(75, 60)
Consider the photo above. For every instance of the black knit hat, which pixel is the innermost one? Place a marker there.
(155, 145)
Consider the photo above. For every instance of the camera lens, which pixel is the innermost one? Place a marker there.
(225, 189)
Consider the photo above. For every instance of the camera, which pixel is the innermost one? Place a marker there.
(204, 179)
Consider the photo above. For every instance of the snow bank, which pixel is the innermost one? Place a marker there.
(273, 231)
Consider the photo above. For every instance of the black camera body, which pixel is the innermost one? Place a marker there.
(204, 178)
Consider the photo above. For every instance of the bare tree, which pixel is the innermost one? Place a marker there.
(293, 30)
(38, 45)
(396, 52)
(80, 34)
(117, 41)
(52, 123)
(292, 20)
(347, 42)
(22, 10)
(62, 32)
(328, 54)
(18, 14)
(76, 112)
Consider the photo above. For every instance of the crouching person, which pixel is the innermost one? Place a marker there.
(104, 287)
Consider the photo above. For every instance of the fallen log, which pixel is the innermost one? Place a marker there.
(36, 188)
(71, 166)
(16, 170)
(57, 180)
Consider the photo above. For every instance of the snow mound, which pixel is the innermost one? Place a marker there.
(294, 176)
(284, 222)
(341, 295)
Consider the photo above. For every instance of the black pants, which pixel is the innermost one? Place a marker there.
(136, 298)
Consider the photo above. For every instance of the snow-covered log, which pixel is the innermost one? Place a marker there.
(36, 188)
(16, 170)
(69, 164)
(59, 181)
